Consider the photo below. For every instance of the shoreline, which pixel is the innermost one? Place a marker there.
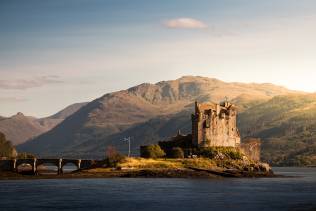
(140, 173)
(136, 167)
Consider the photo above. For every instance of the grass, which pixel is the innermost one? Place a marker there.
(204, 163)
(143, 163)
(138, 163)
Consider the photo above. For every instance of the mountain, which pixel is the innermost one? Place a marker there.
(143, 111)
(52, 121)
(19, 128)
(286, 125)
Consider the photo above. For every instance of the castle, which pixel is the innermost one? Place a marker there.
(215, 125)
(212, 125)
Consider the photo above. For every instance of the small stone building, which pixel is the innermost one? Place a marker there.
(180, 140)
(215, 125)
(251, 147)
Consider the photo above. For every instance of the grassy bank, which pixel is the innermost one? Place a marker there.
(135, 167)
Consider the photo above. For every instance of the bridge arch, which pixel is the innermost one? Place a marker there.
(24, 165)
(71, 163)
(48, 163)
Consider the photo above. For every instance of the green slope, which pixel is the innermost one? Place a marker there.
(287, 127)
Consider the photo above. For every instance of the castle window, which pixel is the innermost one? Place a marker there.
(207, 123)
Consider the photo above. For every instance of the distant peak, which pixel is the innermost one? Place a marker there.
(196, 78)
(18, 115)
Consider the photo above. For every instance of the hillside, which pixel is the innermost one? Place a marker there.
(19, 128)
(105, 120)
(286, 124)
(149, 132)
(53, 120)
(287, 127)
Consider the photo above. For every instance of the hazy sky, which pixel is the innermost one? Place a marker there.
(54, 53)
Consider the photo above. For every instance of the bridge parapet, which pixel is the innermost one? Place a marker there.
(12, 164)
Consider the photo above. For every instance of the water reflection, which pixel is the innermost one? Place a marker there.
(69, 167)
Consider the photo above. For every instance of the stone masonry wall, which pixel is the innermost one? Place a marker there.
(215, 125)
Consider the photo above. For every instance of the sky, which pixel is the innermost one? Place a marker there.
(55, 53)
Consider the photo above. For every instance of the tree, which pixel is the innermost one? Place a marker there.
(113, 157)
(6, 148)
(111, 151)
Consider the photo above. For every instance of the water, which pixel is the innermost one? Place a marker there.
(296, 193)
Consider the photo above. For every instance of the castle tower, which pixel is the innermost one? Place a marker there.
(215, 125)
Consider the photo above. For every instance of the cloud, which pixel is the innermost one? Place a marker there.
(29, 83)
(185, 23)
(12, 99)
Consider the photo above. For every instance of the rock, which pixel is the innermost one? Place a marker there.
(265, 167)
(245, 159)
(257, 167)
(220, 156)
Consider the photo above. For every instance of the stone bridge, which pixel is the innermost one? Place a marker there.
(13, 164)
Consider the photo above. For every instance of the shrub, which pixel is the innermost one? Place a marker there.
(176, 152)
(207, 152)
(113, 157)
(214, 152)
(151, 151)
(235, 154)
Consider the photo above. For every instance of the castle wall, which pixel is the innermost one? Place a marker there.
(215, 125)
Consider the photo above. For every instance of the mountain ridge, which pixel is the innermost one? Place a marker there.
(116, 112)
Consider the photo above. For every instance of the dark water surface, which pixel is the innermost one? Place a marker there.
(296, 193)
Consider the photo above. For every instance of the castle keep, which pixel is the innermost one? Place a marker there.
(215, 125)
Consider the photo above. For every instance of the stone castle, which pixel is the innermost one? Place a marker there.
(215, 125)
